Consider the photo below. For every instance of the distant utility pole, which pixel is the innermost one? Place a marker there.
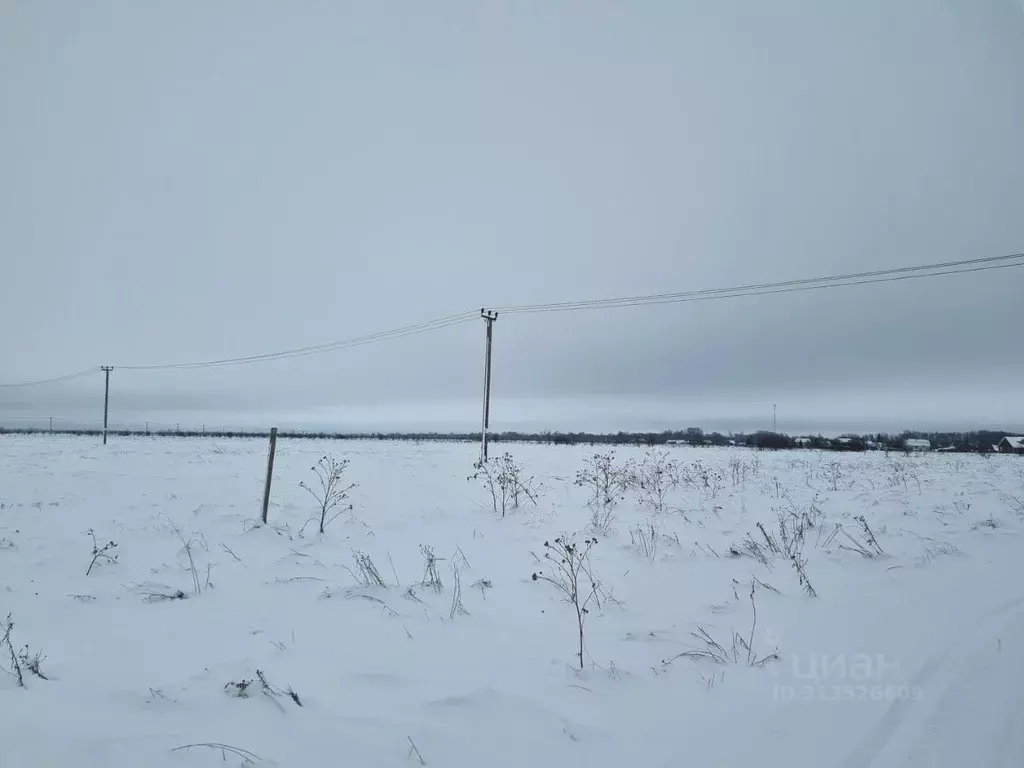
(489, 318)
(775, 418)
(51, 424)
(106, 399)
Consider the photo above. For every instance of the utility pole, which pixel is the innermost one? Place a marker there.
(106, 399)
(51, 425)
(489, 317)
(775, 419)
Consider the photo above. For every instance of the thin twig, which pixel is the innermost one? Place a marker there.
(8, 627)
(248, 757)
(394, 570)
(753, 625)
(413, 749)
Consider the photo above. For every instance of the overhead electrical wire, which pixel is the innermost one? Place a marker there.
(54, 380)
(963, 266)
(358, 341)
(787, 286)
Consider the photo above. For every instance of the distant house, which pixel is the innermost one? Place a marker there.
(1011, 445)
(914, 444)
(801, 442)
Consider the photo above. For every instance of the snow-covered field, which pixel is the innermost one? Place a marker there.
(916, 653)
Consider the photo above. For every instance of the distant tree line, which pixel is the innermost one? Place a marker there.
(973, 442)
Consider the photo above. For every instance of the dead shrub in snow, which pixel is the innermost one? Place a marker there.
(773, 545)
(866, 546)
(238, 689)
(751, 548)
(572, 576)
(366, 573)
(188, 544)
(960, 504)
(100, 553)
(431, 576)
(243, 689)
(606, 483)
(793, 523)
(459, 557)
(457, 607)
(654, 479)
(644, 539)
(31, 662)
(738, 469)
(869, 535)
(800, 566)
(703, 479)
(483, 585)
(332, 491)
(788, 541)
(504, 479)
(22, 661)
(934, 549)
(834, 473)
(988, 522)
(273, 693)
(739, 649)
(1015, 503)
(6, 627)
(900, 473)
(159, 593)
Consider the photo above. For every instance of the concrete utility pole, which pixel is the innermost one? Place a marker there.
(489, 318)
(106, 399)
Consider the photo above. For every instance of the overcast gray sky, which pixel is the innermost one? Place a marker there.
(193, 180)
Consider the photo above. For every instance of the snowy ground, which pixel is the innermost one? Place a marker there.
(916, 654)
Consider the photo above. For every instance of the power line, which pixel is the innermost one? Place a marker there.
(740, 294)
(55, 380)
(394, 333)
(358, 341)
(964, 266)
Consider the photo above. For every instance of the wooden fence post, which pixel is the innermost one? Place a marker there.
(270, 473)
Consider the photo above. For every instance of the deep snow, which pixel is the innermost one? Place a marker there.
(916, 654)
